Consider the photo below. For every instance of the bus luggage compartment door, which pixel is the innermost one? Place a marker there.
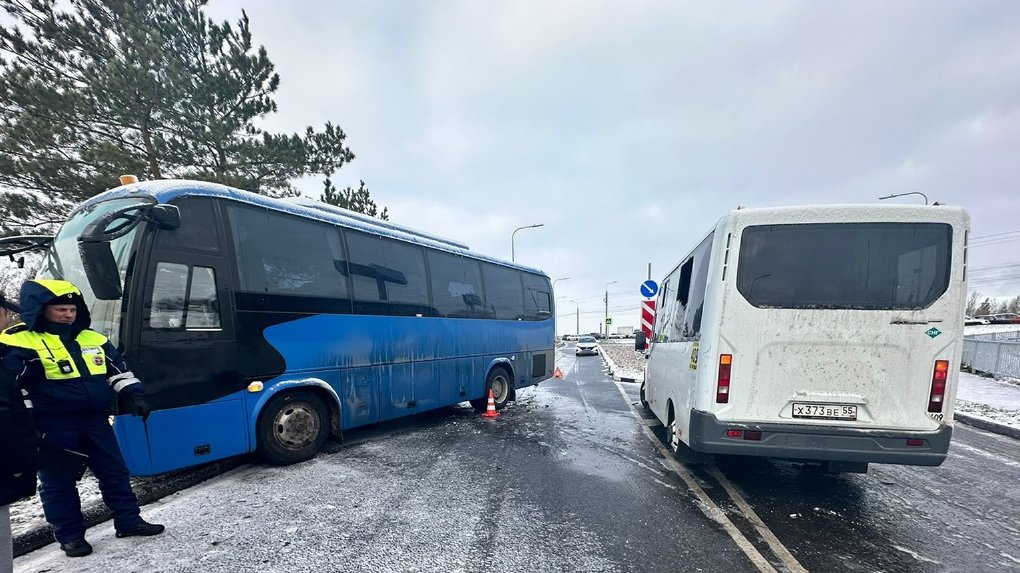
(182, 437)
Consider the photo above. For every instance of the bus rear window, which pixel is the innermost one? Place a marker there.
(868, 266)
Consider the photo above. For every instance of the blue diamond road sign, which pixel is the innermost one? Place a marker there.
(649, 289)
(933, 332)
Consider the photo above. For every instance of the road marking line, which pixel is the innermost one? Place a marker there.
(770, 538)
(707, 506)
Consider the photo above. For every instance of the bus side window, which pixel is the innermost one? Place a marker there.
(456, 285)
(203, 305)
(504, 296)
(168, 293)
(537, 297)
(683, 292)
(170, 298)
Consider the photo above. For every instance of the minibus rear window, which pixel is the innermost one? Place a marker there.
(868, 266)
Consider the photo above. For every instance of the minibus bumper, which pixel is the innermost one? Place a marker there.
(819, 443)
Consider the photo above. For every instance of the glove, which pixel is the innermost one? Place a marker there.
(139, 407)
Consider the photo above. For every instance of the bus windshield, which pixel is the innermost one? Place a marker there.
(866, 266)
(63, 261)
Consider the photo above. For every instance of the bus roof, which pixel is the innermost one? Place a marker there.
(166, 190)
(876, 213)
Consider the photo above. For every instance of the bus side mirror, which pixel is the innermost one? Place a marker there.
(640, 342)
(166, 216)
(101, 269)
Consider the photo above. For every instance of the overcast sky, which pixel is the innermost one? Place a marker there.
(628, 128)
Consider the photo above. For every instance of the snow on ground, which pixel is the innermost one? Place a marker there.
(995, 400)
(989, 328)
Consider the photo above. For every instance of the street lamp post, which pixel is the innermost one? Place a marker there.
(515, 232)
(577, 326)
(556, 319)
(902, 194)
(607, 307)
(558, 280)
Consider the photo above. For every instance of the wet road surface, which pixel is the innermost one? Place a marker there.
(572, 478)
(564, 480)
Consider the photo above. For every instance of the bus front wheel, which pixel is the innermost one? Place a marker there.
(292, 428)
(501, 385)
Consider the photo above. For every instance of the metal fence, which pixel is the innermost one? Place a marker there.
(995, 353)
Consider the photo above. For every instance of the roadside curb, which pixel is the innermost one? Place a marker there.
(614, 371)
(988, 425)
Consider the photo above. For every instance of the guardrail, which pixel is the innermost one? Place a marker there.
(996, 353)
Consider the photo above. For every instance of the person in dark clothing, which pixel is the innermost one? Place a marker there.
(71, 373)
(18, 454)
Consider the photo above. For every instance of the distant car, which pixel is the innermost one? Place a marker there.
(1005, 318)
(586, 345)
(974, 320)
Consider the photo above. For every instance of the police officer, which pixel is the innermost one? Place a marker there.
(70, 374)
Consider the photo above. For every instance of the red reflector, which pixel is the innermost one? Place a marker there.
(915, 442)
(734, 433)
(752, 435)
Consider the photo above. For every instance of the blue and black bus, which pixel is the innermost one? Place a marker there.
(270, 325)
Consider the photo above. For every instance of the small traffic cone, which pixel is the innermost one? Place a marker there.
(490, 408)
(558, 373)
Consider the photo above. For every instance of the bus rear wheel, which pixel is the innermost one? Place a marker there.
(292, 428)
(501, 385)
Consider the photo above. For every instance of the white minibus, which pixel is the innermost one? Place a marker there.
(828, 334)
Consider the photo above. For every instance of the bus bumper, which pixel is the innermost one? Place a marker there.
(819, 443)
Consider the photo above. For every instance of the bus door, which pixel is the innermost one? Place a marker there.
(188, 360)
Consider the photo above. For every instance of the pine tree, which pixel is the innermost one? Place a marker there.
(154, 88)
(984, 308)
(1014, 305)
(972, 303)
(353, 199)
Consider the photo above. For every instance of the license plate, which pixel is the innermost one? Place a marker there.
(825, 411)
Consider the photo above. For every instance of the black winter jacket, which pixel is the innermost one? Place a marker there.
(18, 443)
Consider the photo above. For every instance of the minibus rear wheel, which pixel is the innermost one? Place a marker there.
(292, 427)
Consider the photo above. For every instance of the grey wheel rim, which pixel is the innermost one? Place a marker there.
(296, 425)
(500, 388)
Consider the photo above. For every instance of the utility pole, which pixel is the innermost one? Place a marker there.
(606, 322)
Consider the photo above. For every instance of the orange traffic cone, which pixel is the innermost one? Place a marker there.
(490, 408)
(558, 373)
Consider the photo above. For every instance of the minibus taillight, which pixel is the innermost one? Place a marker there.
(938, 385)
(722, 393)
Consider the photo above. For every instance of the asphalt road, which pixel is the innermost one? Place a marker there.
(572, 477)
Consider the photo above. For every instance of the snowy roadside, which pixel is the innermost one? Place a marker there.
(625, 363)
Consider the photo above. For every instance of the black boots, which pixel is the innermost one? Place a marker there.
(76, 548)
(143, 528)
(81, 548)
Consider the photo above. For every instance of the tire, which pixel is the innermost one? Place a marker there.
(681, 451)
(672, 437)
(292, 427)
(644, 402)
(502, 387)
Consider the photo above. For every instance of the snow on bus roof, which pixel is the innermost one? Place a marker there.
(876, 212)
(166, 190)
